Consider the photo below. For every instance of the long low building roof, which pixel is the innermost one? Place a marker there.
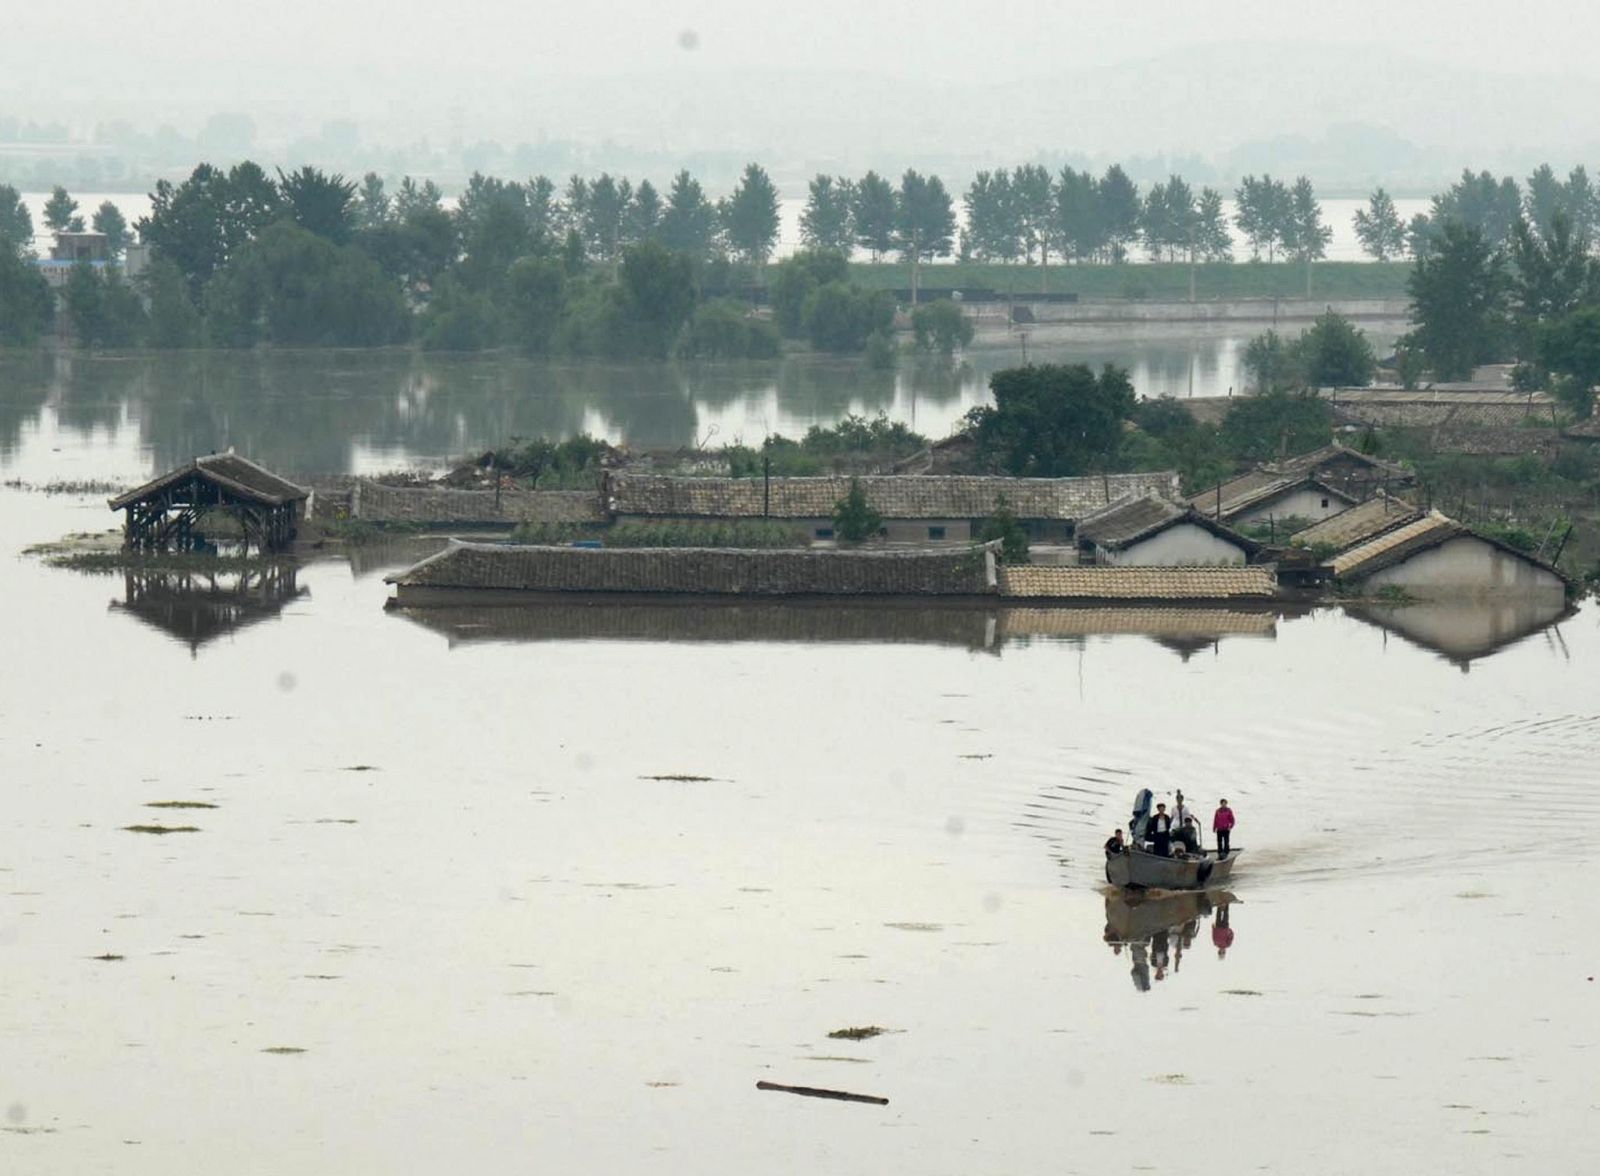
(949, 571)
(234, 473)
(1134, 518)
(906, 496)
(1101, 583)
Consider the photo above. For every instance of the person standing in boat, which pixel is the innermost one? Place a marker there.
(1181, 813)
(1222, 826)
(1161, 832)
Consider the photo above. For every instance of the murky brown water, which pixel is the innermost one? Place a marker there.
(441, 864)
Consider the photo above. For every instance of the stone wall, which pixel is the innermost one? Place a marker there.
(375, 502)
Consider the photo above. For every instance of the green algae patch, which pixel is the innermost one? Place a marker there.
(161, 830)
(860, 1033)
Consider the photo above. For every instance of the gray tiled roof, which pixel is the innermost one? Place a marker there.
(696, 571)
(1380, 513)
(238, 475)
(932, 496)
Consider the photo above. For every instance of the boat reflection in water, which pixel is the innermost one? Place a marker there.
(1157, 930)
(1463, 631)
(197, 606)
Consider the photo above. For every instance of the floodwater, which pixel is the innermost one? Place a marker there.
(317, 412)
(499, 892)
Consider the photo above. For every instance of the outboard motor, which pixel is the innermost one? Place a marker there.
(1141, 815)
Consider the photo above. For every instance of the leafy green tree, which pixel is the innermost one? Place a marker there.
(925, 223)
(1571, 347)
(108, 219)
(854, 520)
(297, 288)
(1273, 363)
(659, 289)
(1458, 297)
(543, 213)
(412, 196)
(1119, 210)
(1080, 224)
(1036, 208)
(1378, 227)
(372, 203)
(940, 326)
(643, 220)
(873, 212)
(250, 202)
(536, 299)
(186, 224)
(689, 224)
(723, 328)
(1305, 237)
(320, 203)
(796, 279)
(1552, 272)
(1212, 241)
(841, 317)
(26, 305)
(994, 222)
(750, 219)
(1482, 203)
(1263, 214)
(59, 210)
(1335, 353)
(1053, 420)
(825, 224)
(103, 309)
(1272, 425)
(1004, 525)
(605, 216)
(492, 224)
(173, 320)
(16, 223)
(460, 319)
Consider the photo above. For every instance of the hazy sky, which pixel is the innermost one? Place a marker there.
(903, 36)
(963, 80)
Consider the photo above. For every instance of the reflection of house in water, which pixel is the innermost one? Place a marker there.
(197, 607)
(1464, 630)
(961, 626)
(1157, 932)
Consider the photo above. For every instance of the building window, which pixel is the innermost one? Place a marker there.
(935, 532)
(824, 532)
(1324, 504)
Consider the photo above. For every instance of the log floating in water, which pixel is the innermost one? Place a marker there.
(818, 1092)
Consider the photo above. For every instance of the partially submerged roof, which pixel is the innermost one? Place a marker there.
(1259, 488)
(238, 475)
(1380, 513)
(943, 571)
(911, 496)
(1134, 518)
(1122, 583)
(1431, 530)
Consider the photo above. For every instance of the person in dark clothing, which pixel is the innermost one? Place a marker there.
(1222, 826)
(1115, 845)
(1161, 832)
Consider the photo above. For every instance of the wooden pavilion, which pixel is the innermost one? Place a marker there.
(164, 513)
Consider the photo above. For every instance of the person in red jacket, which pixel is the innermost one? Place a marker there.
(1222, 826)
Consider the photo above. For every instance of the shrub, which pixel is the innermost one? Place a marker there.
(940, 326)
(853, 517)
(723, 329)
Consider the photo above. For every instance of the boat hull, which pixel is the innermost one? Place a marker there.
(1147, 871)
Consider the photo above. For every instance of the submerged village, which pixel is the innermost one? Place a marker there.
(909, 546)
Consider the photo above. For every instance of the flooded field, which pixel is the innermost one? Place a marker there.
(325, 412)
(292, 882)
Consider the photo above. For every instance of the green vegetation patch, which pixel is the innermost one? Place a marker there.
(161, 830)
(858, 1033)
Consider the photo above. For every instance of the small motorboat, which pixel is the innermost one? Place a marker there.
(1139, 868)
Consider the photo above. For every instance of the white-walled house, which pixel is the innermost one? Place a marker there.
(1150, 531)
(1438, 557)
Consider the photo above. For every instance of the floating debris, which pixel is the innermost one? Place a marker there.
(858, 1034)
(819, 1092)
(978, 755)
(681, 778)
(360, 768)
(161, 829)
(1240, 992)
(283, 1049)
(1172, 1079)
(180, 804)
(916, 926)
(108, 957)
(659, 1085)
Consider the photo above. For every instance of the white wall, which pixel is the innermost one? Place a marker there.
(1307, 502)
(1466, 565)
(1184, 544)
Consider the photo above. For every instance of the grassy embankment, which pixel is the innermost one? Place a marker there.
(1158, 281)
